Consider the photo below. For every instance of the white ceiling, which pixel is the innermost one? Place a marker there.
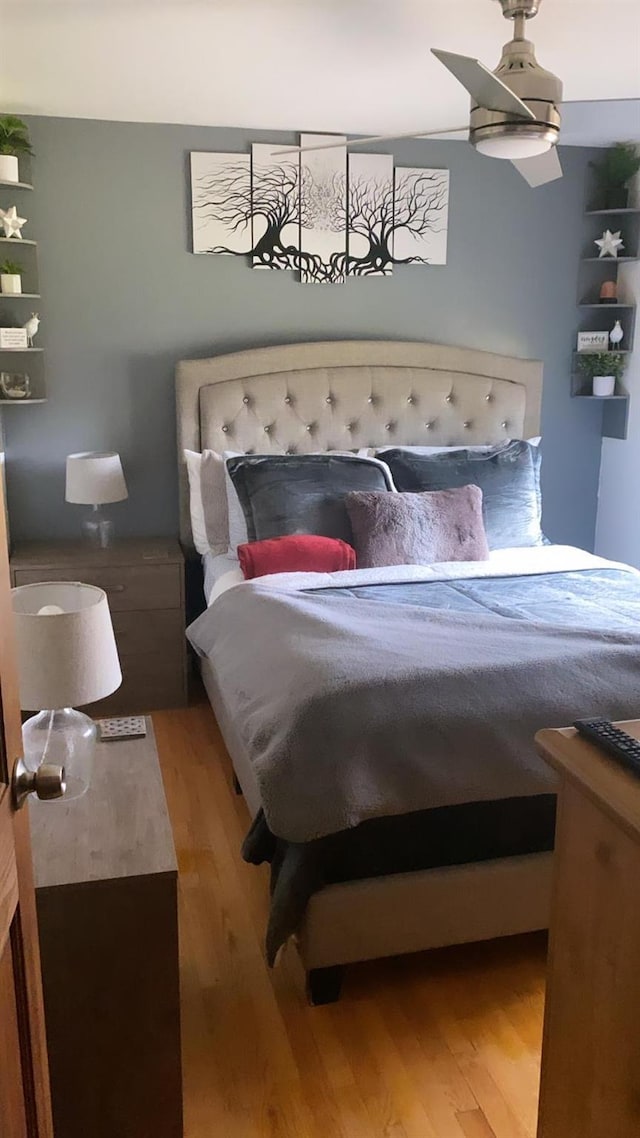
(358, 66)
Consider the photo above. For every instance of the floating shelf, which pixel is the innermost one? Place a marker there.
(603, 307)
(598, 398)
(18, 185)
(609, 260)
(19, 296)
(19, 402)
(16, 241)
(19, 351)
(606, 212)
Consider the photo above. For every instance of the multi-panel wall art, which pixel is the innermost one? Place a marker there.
(326, 214)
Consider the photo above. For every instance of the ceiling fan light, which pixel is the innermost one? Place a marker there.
(512, 146)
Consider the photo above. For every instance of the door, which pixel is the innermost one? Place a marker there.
(25, 1109)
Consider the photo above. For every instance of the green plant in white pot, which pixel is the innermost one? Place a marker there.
(603, 370)
(14, 142)
(10, 278)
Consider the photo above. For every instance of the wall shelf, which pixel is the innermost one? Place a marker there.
(17, 185)
(594, 316)
(610, 212)
(20, 402)
(26, 365)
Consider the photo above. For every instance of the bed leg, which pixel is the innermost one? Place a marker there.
(236, 785)
(324, 984)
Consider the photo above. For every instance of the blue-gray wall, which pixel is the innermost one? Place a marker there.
(123, 299)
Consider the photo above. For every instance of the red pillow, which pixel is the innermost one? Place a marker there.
(298, 553)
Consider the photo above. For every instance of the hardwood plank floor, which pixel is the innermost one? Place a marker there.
(438, 1045)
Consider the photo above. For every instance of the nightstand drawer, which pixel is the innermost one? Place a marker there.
(138, 633)
(150, 681)
(127, 587)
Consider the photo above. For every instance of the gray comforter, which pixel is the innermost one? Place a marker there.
(353, 706)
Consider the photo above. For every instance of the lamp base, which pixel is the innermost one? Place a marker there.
(98, 529)
(65, 737)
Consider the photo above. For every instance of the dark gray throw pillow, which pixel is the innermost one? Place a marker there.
(508, 476)
(417, 529)
(305, 493)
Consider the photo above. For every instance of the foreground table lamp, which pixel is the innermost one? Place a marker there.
(66, 655)
(95, 480)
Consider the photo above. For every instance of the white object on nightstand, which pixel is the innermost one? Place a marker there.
(127, 727)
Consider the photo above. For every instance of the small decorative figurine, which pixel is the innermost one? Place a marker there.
(608, 292)
(610, 243)
(616, 335)
(11, 222)
(31, 327)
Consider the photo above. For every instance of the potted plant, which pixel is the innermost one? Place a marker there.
(613, 174)
(603, 370)
(14, 141)
(10, 278)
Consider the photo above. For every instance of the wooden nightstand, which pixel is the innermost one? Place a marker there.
(106, 888)
(144, 581)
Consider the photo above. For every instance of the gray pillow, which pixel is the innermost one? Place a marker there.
(417, 529)
(508, 475)
(288, 494)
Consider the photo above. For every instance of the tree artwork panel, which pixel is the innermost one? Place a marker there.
(221, 203)
(319, 213)
(275, 208)
(420, 216)
(323, 211)
(370, 215)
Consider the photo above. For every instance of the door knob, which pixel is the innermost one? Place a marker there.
(47, 782)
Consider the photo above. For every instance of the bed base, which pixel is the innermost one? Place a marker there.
(404, 912)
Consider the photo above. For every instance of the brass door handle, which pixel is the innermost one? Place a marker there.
(47, 783)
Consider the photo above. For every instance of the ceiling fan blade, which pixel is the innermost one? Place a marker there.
(541, 169)
(483, 86)
(372, 138)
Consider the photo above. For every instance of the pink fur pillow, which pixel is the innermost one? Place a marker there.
(417, 529)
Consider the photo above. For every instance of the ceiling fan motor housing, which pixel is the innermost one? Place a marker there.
(513, 8)
(538, 88)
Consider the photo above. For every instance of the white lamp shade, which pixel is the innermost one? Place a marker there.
(94, 479)
(67, 655)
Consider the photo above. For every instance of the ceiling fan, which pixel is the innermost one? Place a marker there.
(515, 110)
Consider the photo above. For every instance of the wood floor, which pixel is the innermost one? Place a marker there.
(437, 1045)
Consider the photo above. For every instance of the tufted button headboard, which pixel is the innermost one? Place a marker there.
(346, 394)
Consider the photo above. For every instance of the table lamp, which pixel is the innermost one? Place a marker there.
(95, 479)
(66, 655)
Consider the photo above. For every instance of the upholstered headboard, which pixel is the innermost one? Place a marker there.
(351, 393)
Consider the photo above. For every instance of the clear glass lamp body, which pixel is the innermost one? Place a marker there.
(66, 738)
(97, 528)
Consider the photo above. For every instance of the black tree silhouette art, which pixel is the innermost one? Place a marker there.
(266, 201)
(379, 211)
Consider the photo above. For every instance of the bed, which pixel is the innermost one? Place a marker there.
(354, 394)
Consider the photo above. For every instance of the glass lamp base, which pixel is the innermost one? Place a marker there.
(67, 738)
(98, 529)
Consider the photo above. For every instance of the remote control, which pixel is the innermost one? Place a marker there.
(620, 746)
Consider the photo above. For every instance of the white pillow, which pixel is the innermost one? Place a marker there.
(208, 500)
(237, 525)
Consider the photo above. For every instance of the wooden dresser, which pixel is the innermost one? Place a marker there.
(144, 581)
(106, 890)
(591, 1050)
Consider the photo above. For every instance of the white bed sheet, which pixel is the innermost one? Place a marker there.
(220, 573)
